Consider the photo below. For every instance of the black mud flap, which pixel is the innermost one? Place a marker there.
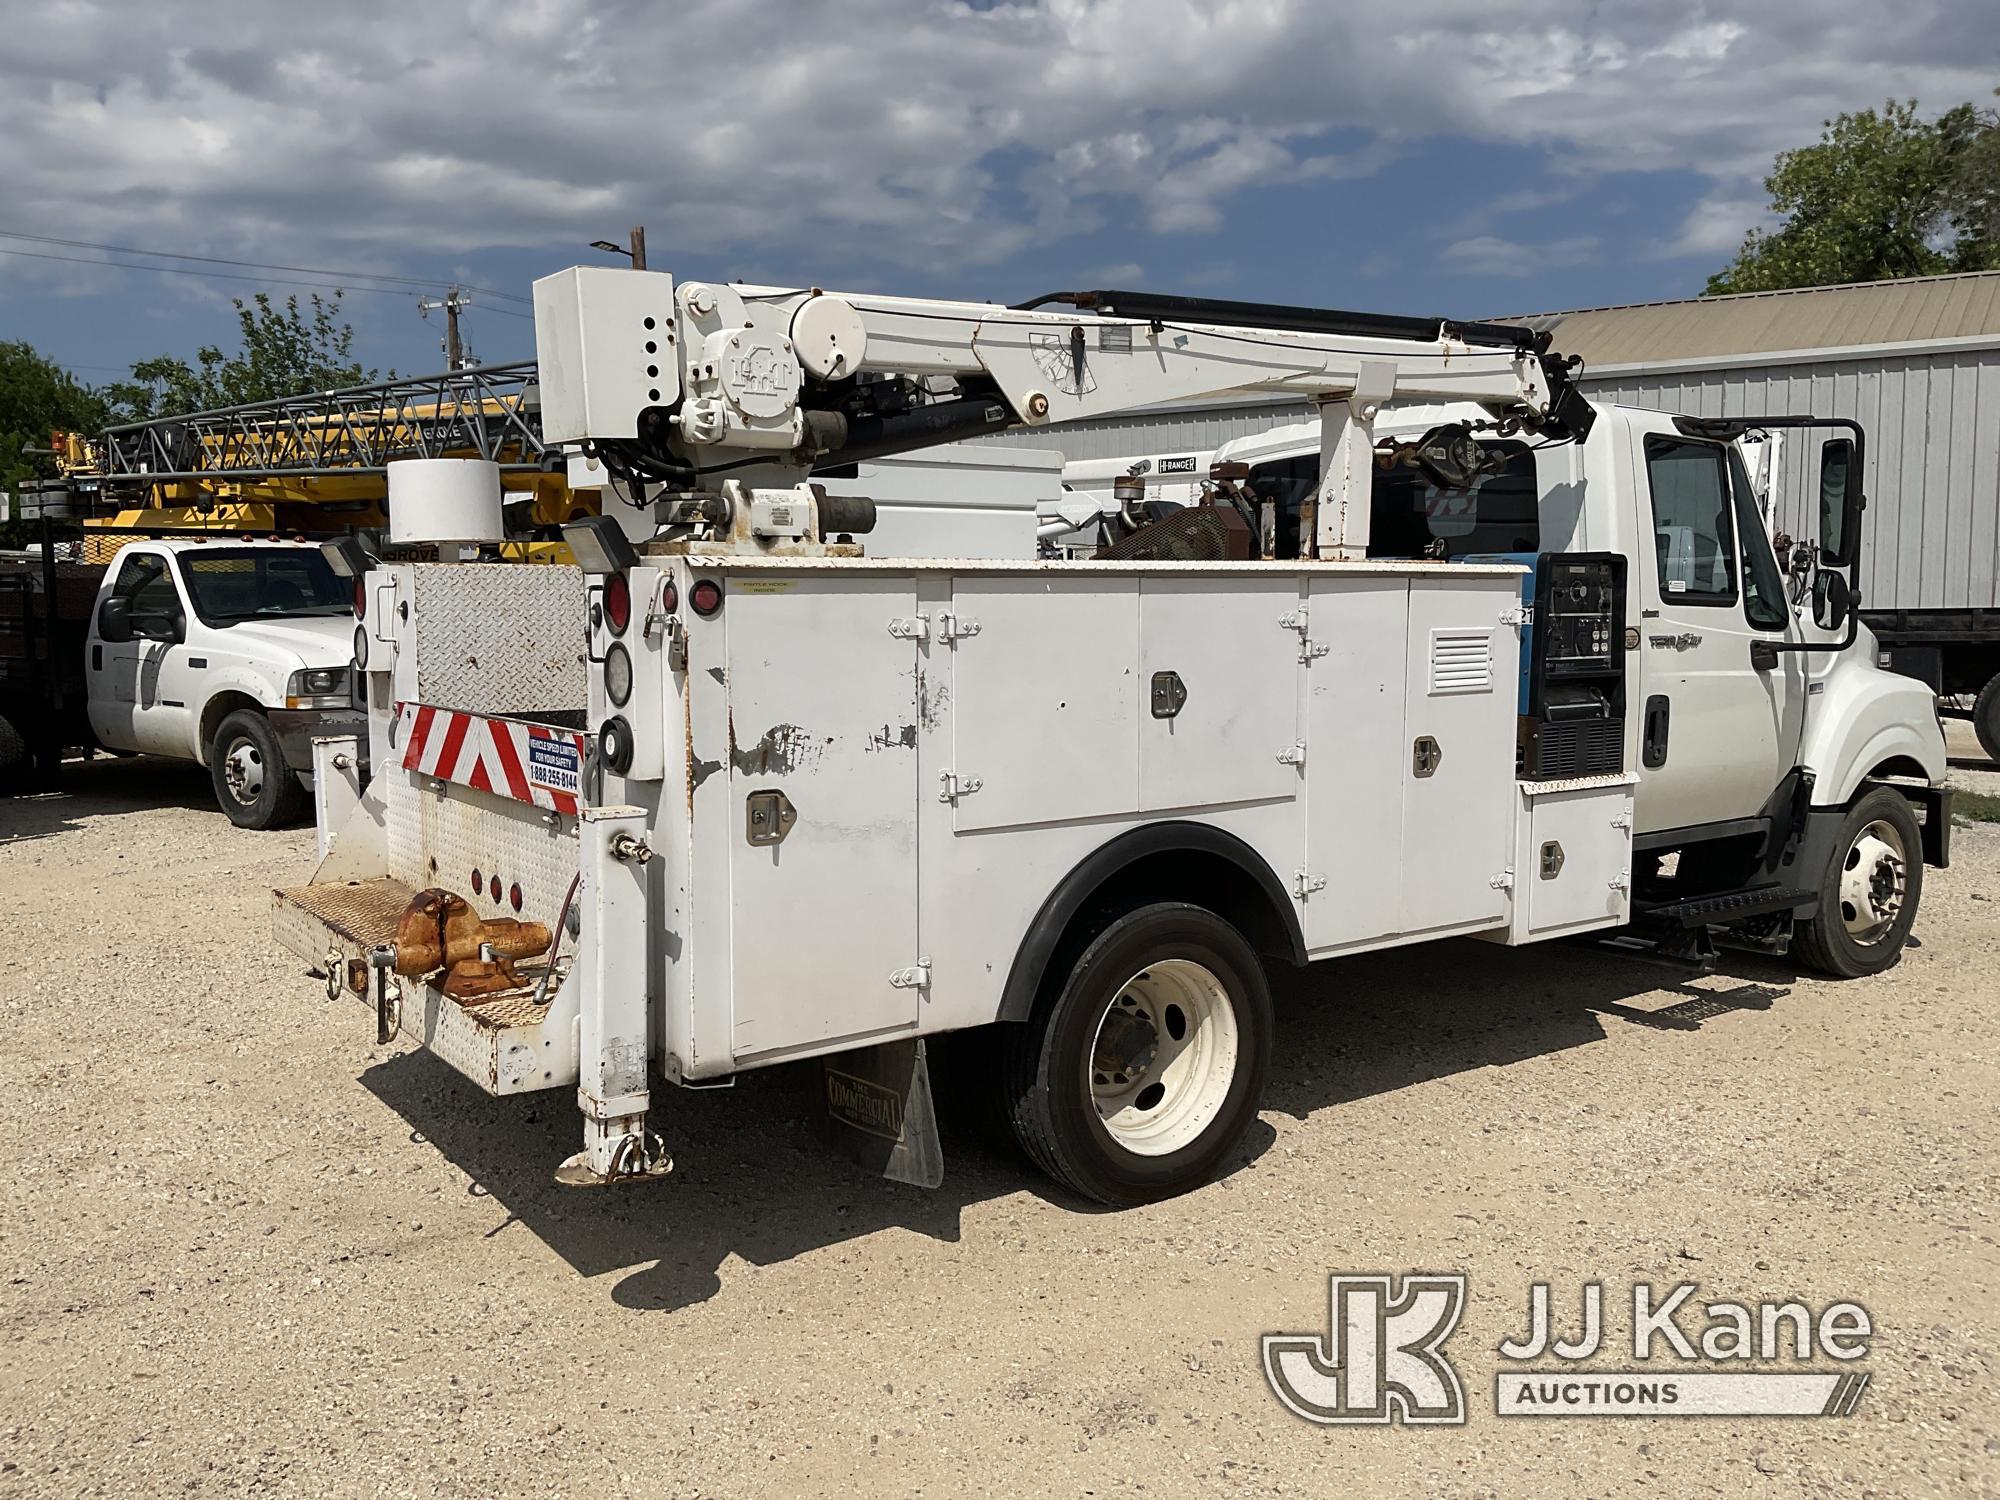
(879, 1113)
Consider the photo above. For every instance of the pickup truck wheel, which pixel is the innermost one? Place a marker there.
(1986, 718)
(252, 781)
(1138, 1075)
(1869, 891)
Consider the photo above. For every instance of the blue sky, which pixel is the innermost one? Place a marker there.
(1451, 157)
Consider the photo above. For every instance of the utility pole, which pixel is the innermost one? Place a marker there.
(638, 251)
(452, 302)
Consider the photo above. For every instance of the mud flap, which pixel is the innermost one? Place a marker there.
(879, 1113)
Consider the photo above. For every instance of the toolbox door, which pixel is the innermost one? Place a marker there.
(821, 826)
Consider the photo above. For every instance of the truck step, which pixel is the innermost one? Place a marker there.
(1704, 910)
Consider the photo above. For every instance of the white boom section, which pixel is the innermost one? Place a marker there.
(747, 372)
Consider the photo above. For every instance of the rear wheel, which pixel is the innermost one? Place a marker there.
(1986, 718)
(252, 780)
(1138, 1075)
(1869, 891)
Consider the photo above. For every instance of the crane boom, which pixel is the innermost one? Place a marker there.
(672, 383)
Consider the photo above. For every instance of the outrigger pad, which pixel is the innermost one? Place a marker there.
(879, 1113)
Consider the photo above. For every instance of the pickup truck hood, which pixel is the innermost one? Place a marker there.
(323, 641)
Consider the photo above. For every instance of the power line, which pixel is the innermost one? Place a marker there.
(121, 265)
(255, 265)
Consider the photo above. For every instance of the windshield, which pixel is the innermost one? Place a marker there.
(261, 583)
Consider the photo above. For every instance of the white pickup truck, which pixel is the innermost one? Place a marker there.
(231, 653)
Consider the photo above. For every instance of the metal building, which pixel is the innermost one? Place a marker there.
(1917, 362)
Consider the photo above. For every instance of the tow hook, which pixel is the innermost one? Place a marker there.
(382, 959)
(630, 850)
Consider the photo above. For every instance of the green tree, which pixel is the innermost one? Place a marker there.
(285, 351)
(37, 397)
(1883, 194)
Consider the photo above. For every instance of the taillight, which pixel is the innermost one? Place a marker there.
(361, 598)
(705, 596)
(617, 603)
(670, 597)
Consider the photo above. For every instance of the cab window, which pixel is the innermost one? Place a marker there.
(1764, 603)
(142, 579)
(1694, 546)
(1411, 517)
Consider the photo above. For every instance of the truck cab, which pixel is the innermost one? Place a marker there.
(226, 653)
(1754, 714)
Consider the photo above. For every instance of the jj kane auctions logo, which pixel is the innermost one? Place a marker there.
(1382, 1357)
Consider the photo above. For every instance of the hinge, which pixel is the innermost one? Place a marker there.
(953, 627)
(1619, 882)
(1623, 820)
(911, 628)
(1296, 756)
(916, 977)
(1304, 883)
(1518, 614)
(953, 786)
(1297, 621)
(1504, 881)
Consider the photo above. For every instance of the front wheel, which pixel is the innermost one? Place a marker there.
(1868, 892)
(1136, 1078)
(252, 780)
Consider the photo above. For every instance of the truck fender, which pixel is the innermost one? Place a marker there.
(1256, 900)
(223, 699)
(1867, 722)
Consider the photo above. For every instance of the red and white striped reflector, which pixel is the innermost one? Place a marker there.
(529, 763)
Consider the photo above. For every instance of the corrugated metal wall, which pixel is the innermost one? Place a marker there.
(1932, 531)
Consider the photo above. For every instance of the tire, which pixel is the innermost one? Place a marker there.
(253, 783)
(1869, 892)
(1986, 718)
(1130, 1110)
(15, 759)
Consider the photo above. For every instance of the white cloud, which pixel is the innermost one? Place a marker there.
(1489, 255)
(1714, 227)
(921, 132)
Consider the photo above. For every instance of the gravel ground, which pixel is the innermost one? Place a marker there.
(244, 1251)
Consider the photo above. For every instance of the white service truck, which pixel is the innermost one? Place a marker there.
(740, 793)
(229, 652)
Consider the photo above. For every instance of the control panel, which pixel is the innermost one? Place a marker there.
(1575, 720)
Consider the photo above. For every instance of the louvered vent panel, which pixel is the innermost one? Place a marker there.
(1461, 661)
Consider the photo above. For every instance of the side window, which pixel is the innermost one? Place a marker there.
(142, 578)
(1693, 542)
(1764, 603)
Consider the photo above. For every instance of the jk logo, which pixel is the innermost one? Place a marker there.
(1380, 1359)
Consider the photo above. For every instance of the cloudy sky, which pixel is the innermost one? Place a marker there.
(1471, 157)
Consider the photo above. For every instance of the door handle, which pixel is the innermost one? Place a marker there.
(1653, 745)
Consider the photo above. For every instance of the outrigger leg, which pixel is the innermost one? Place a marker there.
(610, 969)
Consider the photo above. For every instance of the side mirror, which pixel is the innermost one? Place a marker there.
(114, 620)
(1840, 502)
(1833, 600)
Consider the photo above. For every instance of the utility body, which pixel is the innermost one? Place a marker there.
(739, 793)
(229, 653)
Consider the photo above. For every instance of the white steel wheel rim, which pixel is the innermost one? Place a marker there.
(1873, 880)
(1163, 1057)
(243, 771)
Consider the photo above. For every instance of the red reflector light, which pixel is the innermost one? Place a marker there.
(514, 896)
(617, 603)
(493, 889)
(706, 597)
(478, 882)
(670, 597)
(360, 598)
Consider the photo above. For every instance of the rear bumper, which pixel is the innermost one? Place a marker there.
(297, 728)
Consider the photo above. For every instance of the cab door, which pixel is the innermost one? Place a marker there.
(1719, 720)
(124, 685)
